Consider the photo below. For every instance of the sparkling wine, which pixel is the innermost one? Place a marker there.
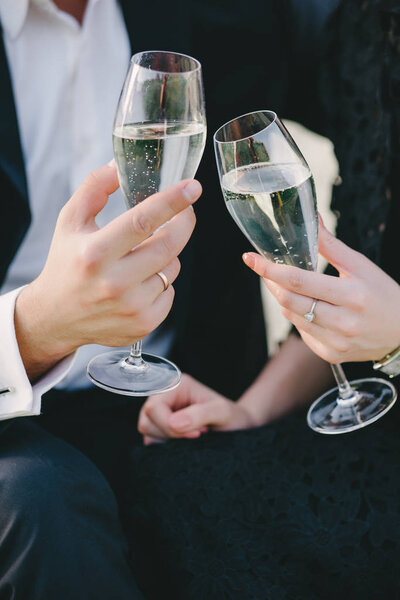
(152, 156)
(275, 207)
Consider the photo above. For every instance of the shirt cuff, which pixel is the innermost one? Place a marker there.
(24, 399)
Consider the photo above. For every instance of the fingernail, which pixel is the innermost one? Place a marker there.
(178, 421)
(249, 259)
(192, 191)
(321, 221)
(111, 163)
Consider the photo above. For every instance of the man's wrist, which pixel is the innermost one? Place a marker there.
(39, 345)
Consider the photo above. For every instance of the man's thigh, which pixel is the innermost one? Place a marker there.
(60, 534)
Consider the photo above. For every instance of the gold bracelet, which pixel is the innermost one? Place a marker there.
(390, 363)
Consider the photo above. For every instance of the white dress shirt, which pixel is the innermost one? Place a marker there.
(66, 80)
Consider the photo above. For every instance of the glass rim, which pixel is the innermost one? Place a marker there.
(253, 112)
(194, 70)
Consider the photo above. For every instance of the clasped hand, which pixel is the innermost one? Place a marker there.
(189, 411)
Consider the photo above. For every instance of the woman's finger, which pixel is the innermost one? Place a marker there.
(326, 315)
(158, 413)
(322, 350)
(307, 283)
(342, 257)
(199, 416)
(332, 340)
(148, 428)
(148, 440)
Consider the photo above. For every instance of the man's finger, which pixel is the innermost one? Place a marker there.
(137, 224)
(161, 248)
(91, 196)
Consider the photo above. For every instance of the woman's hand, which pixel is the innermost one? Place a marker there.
(188, 411)
(357, 315)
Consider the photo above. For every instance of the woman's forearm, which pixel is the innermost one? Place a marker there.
(293, 377)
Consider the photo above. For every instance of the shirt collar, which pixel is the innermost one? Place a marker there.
(13, 13)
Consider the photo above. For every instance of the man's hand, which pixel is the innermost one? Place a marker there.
(94, 288)
(188, 411)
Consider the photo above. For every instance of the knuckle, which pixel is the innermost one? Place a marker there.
(170, 295)
(359, 298)
(295, 280)
(330, 241)
(147, 323)
(63, 214)
(284, 297)
(177, 201)
(168, 246)
(341, 347)
(351, 327)
(152, 410)
(287, 314)
(92, 179)
(329, 355)
(149, 408)
(89, 258)
(141, 426)
(131, 308)
(176, 267)
(110, 290)
(141, 224)
(191, 217)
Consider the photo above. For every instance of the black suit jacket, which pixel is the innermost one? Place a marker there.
(217, 314)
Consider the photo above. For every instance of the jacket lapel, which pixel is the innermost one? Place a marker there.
(14, 207)
(158, 25)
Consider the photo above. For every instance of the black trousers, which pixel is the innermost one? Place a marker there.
(62, 483)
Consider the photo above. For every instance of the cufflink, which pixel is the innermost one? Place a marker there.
(6, 390)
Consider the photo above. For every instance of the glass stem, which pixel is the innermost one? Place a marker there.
(135, 357)
(347, 394)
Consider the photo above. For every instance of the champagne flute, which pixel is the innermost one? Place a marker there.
(269, 191)
(158, 137)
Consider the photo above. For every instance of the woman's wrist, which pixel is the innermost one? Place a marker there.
(257, 409)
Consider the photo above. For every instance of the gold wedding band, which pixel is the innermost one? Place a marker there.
(164, 279)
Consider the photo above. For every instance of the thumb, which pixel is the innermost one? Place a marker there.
(337, 253)
(91, 196)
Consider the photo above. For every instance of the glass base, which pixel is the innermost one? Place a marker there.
(372, 399)
(113, 372)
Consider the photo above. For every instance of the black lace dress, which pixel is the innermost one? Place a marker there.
(281, 512)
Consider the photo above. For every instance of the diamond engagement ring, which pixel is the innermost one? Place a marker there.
(310, 316)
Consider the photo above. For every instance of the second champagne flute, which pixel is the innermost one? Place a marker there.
(158, 137)
(269, 191)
